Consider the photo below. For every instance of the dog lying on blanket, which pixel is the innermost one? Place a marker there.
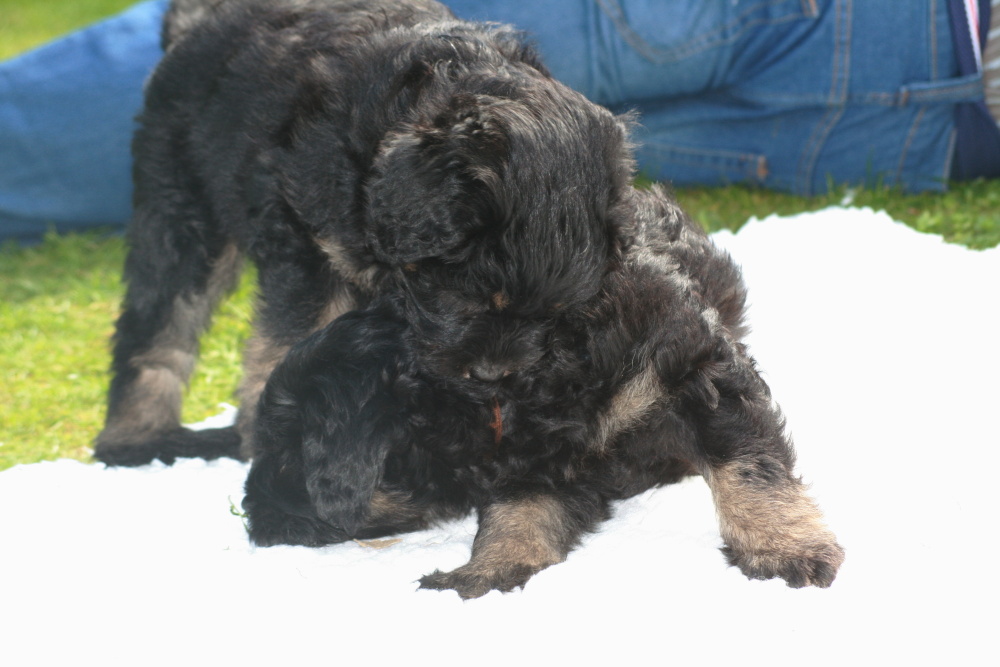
(464, 303)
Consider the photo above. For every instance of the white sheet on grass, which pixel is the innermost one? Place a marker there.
(881, 345)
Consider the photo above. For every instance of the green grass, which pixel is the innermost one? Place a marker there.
(968, 214)
(58, 303)
(58, 300)
(25, 24)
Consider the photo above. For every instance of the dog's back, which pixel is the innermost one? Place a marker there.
(326, 139)
(183, 16)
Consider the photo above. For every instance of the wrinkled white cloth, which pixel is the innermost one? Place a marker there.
(879, 343)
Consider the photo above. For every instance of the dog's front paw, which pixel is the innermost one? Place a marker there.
(814, 564)
(471, 582)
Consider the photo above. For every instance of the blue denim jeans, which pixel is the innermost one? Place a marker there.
(66, 123)
(786, 94)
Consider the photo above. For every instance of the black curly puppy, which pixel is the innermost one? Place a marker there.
(464, 302)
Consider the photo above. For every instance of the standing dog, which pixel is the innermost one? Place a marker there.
(464, 302)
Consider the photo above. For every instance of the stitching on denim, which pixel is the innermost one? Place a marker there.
(746, 164)
(848, 37)
(708, 152)
(763, 169)
(771, 98)
(836, 50)
(838, 83)
(949, 156)
(593, 68)
(934, 49)
(880, 99)
(909, 141)
(961, 91)
(612, 9)
(816, 142)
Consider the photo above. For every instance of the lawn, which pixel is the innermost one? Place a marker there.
(58, 300)
(58, 303)
(25, 24)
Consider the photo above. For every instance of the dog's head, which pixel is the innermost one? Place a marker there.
(499, 214)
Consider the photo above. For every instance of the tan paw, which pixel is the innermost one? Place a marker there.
(472, 582)
(812, 565)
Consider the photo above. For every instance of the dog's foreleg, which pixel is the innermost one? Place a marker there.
(517, 538)
(770, 526)
(176, 273)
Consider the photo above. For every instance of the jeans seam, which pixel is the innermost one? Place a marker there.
(949, 156)
(734, 155)
(933, 28)
(743, 162)
(909, 141)
(838, 89)
(844, 68)
(956, 92)
(964, 89)
(970, 91)
(836, 50)
(612, 9)
(816, 142)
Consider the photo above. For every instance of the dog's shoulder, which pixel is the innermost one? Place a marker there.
(186, 17)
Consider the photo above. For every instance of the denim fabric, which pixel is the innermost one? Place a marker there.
(66, 121)
(787, 94)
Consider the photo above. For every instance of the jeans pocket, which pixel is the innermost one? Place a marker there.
(685, 165)
(662, 34)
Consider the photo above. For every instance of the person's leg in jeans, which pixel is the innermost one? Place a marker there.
(66, 120)
(786, 94)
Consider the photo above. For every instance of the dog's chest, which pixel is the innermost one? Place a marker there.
(508, 430)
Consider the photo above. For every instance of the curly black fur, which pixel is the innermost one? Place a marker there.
(464, 302)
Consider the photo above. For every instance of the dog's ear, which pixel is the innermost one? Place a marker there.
(431, 184)
(325, 423)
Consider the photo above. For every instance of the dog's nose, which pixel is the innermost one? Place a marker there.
(488, 372)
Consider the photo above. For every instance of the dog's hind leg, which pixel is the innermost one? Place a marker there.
(518, 537)
(770, 526)
(177, 270)
(297, 298)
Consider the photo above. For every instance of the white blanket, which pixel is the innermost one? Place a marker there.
(880, 344)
